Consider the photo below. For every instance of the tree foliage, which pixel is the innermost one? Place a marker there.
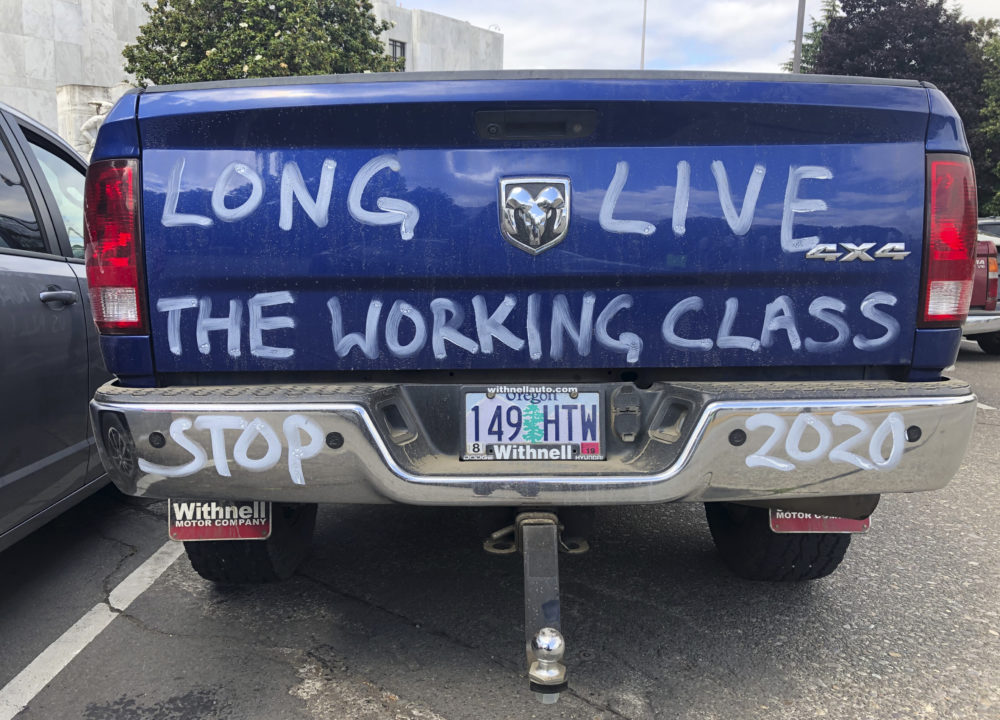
(989, 168)
(194, 40)
(916, 40)
(812, 39)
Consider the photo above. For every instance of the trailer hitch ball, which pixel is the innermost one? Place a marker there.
(547, 673)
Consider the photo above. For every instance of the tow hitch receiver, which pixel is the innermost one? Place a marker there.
(536, 535)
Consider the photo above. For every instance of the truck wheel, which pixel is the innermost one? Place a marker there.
(743, 537)
(258, 561)
(989, 342)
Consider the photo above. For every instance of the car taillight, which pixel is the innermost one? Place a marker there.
(950, 245)
(992, 274)
(111, 236)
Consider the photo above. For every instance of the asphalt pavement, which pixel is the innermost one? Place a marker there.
(400, 615)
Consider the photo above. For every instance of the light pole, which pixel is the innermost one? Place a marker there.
(642, 56)
(797, 58)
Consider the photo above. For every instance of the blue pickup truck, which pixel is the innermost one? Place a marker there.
(533, 291)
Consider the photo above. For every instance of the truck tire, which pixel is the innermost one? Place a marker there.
(989, 342)
(258, 561)
(744, 539)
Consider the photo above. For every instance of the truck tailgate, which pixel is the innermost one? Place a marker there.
(599, 223)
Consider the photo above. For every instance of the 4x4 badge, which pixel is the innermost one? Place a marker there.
(851, 252)
(534, 212)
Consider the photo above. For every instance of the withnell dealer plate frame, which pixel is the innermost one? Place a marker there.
(573, 393)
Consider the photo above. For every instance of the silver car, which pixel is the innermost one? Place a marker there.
(50, 359)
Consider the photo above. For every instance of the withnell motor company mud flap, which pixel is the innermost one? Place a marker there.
(202, 520)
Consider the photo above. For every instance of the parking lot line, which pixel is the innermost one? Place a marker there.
(16, 694)
(984, 406)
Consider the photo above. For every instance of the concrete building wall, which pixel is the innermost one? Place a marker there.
(61, 62)
(45, 44)
(402, 21)
(438, 42)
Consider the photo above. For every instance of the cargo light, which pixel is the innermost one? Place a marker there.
(111, 237)
(950, 244)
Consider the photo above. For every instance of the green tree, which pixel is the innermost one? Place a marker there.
(532, 429)
(812, 39)
(989, 168)
(194, 40)
(917, 40)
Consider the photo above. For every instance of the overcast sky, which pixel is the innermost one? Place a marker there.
(747, 35)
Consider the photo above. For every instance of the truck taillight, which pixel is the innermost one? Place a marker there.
(950, 246)
(111, 236)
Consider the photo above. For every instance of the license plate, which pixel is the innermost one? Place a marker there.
(533, 423)
(189, 520)
(784, 521)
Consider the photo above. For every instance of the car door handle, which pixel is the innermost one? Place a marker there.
(63, 297)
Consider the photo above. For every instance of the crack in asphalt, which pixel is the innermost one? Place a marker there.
(505, 665)
(399, 616)
(231, 639)
(106, 587)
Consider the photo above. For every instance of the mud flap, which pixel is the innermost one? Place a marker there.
(197, 520)
(788, 521)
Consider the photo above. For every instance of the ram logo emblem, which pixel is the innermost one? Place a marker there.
(534, 212)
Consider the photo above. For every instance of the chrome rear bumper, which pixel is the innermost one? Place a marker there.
(733, 441)
(980, 322)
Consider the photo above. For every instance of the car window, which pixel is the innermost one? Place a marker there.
(66, 183)
(19, 227)
(991, 228)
